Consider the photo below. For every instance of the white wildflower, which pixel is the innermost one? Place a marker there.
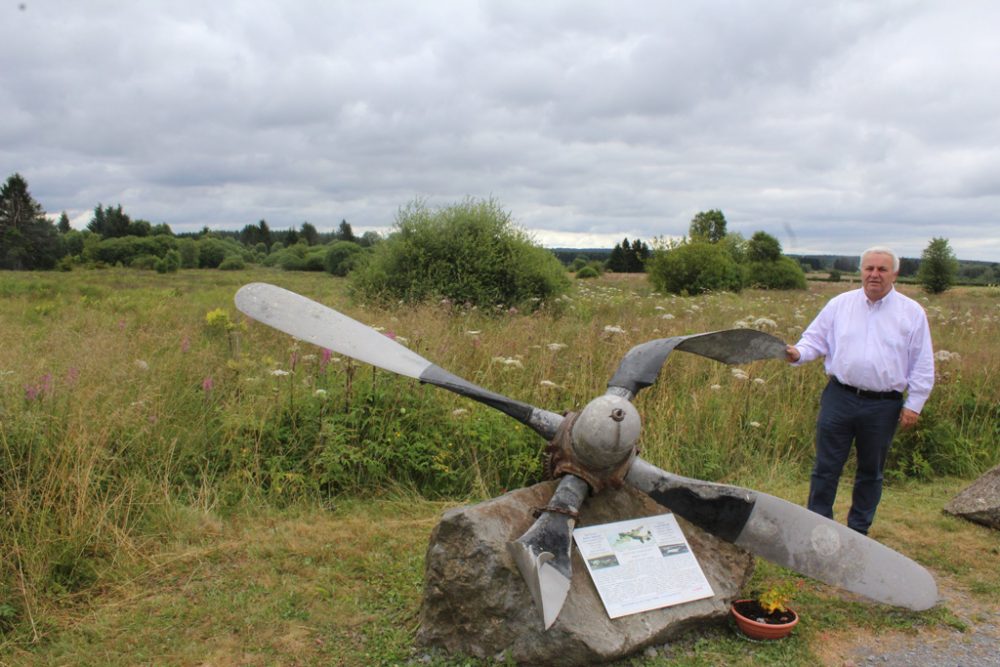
(610, 329)
(141, 365)
(320, 393)
(764, 323)
(666, 316)
(716, 387)
(555, 347)
(458, 412)
(755, 424)
(277, 372)
(945, 356)
(473, 332)
(550, 384)
(759, 381)
(309, 358)
(740, 374)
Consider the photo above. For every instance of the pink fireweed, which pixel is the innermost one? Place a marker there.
(207, 384)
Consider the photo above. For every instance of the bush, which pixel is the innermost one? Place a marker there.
(211, 253)
(468, 253)
(232, 263)
(783, 273)
(188, 249)
(169, 263)
(834, 276)
(694, 268)
(587, 272)
(341, 257)
(125, 250)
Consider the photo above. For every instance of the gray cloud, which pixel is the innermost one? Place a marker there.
(830, 125)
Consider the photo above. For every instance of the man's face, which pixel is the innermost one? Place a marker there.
(877, 275)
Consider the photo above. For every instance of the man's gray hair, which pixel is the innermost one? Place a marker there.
(882, 250)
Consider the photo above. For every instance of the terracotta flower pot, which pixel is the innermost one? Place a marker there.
(758, 624)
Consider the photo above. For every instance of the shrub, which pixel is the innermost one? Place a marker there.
(587, 272)
(694, 268)
(834, 276)
(211, 253)
(782, 273)
(169, 263)
(938, 267)
(188, 249)
(341, 257)
(232, 263)
(468, 253)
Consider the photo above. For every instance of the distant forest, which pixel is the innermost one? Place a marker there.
(970, 272)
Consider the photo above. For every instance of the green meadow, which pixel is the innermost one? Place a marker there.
(181, 486)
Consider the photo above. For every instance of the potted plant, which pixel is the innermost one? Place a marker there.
(767, 616)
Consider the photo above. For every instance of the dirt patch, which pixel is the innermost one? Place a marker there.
(978, 645)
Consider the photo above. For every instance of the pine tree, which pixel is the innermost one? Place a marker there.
(28, 240)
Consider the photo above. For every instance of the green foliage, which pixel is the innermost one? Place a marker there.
(341, 257)
(708, 226)
(938, 267)
(468, 253)
(694, 268)
(587, 272)
(763, 247)
(213, 251)
(127, 250)
(28, 240)
(834, 276)
(232, 263)
(169, 263)
(628, 257)
(188, 250)
(780, 273)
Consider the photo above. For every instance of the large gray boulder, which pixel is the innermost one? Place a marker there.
(980, 501)
(476, 603)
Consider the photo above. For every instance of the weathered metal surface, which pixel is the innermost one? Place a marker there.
(543, 553)
(792, 536)
(641, 365)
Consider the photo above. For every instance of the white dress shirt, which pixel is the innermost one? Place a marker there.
(880, 346)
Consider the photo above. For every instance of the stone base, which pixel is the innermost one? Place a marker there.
(476, 603)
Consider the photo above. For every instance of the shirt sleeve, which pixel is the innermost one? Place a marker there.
(814, 342)
(920, 380)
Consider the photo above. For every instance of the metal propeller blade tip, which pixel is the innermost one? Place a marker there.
(641, 365)
(792, 536)
(543, 553)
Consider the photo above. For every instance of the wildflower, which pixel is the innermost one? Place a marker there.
(320, 393)
(458, 412)
(207, 384)
(72, 375)
(508, 362)
(550, 384)
(185, 344)
(473, 332)
(325, 359)
(755, 424)
(764, 323)
(391, 335)
(555, 347)
(609, 329)
(141, 365)
(277, 372)
(740, 374)
(716, 387)
(667, 316)
(945, 355)
(759, 381)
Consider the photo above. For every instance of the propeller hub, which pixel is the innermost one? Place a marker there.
(606, 432)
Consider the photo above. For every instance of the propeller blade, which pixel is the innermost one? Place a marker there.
(543, 553)
(641, 365)
(315, 323)
(792, 536)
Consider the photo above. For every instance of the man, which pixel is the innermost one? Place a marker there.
(877, 345)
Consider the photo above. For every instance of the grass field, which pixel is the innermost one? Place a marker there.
(183, 487)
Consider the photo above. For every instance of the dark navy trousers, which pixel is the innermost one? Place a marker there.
(868, 423)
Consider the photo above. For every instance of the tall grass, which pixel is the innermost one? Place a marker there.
(127, 399)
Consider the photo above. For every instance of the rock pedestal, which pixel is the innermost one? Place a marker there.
(980, 501)
(476, 603)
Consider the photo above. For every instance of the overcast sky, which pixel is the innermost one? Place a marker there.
(831, 125)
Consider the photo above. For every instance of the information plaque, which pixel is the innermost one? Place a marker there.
(641, 564)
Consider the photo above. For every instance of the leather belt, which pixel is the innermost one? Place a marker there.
(864, 393)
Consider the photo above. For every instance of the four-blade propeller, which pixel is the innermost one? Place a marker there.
(599, 444)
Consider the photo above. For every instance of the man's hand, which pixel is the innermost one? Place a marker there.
(792, 354)
(908, 418)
